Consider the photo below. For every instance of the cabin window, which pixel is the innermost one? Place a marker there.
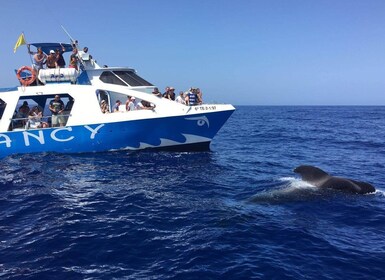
(111, 102)
(34, 113)
(109, 78)
(104, 100)
(129, 78)
(132, 78)
(3, 104)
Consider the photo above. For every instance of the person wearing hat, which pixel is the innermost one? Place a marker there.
(51, 59)
(131, 106)
(104, 107)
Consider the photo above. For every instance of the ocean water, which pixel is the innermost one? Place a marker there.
(236, 212)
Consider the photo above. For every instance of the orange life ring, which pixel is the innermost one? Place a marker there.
(29, 79)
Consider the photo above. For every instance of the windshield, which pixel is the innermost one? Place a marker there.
(123, 78)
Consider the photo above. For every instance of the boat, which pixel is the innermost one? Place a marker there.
(158, 123)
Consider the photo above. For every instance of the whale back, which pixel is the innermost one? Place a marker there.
(320, 178)
(311, 173)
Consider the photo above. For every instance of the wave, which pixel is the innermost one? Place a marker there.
(290, 190)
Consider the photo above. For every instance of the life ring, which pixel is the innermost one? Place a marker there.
(28, 79)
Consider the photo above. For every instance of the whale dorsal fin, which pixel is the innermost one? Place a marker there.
(310, 173)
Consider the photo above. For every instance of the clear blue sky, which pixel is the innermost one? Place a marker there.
(271, 52)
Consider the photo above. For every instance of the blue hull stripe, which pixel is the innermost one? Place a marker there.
(134, 135)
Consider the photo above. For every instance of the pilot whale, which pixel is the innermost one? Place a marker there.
(319, 178)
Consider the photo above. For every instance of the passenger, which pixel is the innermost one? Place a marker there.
(84, 58)
(157, 92)
(131, 104)
(74, 59)
(34, 119)
(85, 50)
(180, 98)
(104, 107)
(39, 59)
(165, 94)
(23, 112)
(51, 59)
(24, 109)
(147, 105)
(199, 96)
(191, 98)
(60, 62)
(169, 94)
(172, 94)
(56, 106)
(128, 103)
(116, 106)
(139, 105)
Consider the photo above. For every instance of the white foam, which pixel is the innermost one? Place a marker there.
(380, 192)
(296, 183)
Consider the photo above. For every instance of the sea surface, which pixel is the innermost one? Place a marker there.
(236, 212)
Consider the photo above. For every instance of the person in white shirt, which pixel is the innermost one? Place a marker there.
(180, 98)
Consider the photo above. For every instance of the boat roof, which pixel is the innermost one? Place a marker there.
(46, 47)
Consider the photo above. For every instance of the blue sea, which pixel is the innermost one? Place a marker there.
(235, 212)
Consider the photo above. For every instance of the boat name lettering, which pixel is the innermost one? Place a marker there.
(55, 135)
(205, 108)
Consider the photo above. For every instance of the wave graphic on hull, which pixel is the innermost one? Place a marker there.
(190, 139)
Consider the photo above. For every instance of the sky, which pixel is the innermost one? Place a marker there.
(244, 52)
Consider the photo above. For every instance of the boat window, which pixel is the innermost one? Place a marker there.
(109, 78)
(3, 104)
(132, 78)
(104, 100)
(34, 112)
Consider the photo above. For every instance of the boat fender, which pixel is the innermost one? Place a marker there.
(29, 79)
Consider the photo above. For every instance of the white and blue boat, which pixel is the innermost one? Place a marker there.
(165, 124)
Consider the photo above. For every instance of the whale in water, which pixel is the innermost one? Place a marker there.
(319, 178)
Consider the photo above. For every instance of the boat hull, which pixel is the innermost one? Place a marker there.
(176, 133)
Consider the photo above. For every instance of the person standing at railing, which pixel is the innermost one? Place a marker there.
(56, 106)
(74, 59)
(39, 59)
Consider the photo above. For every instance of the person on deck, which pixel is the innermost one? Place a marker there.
(180, 98)
(60, 62)
(39, 59)
(191, 97)
(23, 112)
(74, 59)
(35, 119)
(156, 92)
(51, 59)
(104, 107)
(116, 106)
(56, 106)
